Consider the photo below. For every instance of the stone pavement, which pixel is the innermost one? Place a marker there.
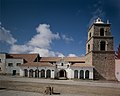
(66, 82)
(22, 93)
(21, 86)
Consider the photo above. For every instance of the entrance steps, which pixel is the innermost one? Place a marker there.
(62, 78)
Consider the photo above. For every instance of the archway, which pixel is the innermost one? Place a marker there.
(36, 73)
(62, 73)
(42, 73)
(25, 72)
(48, 74)
(31, 73)
(81, 74)
(87, 74)
(76, 74)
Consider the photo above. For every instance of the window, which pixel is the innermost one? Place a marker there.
(0, 69)
(101, 31)
(90, 35)
(10, 64)
(88, 47)
(67, 66)
(56, 66)
(102, 45)
(0, 60)
(18, 64)
(61, 64)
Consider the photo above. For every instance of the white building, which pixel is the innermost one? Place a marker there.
(31, 65)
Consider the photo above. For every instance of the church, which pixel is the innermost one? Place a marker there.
(97, 64)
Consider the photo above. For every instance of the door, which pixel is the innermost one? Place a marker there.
(14, 72)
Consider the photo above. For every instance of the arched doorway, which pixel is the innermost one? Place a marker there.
(42, 73)
(62, 73)
(81, 74)
(48, 74)
(25, 72)
(31, 73)
(87, 74)
(76, 74)
(36, 73)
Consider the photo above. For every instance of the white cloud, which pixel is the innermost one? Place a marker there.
(58, 54)
(43, 52)
(6, 36)
(82, 55)
(40, 43)
(20, 48)
(72, 55)
(97, 13)
(67, 39)
(44, 37)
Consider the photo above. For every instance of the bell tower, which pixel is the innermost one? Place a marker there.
(100, 50)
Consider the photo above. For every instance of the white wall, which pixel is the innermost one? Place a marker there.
(84, 69)
(9, 69)
(52, 69)
(117, 69)
(69, 71)
(2, 63)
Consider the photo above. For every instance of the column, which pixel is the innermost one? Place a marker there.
(33, 73)
(39, 74)
(78, 74)
(45, 73)
(91, 75)
(84, 73)
(52, 73)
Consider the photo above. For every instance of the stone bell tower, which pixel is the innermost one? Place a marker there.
(100, 51)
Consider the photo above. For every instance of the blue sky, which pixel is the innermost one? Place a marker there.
(53, 27)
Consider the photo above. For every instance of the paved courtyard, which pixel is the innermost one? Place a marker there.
(66, 82)
(22, 93)
(20, 86)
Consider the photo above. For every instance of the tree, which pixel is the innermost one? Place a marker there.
(117, 54)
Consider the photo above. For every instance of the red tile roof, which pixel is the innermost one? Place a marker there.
(68, 59)
(50, 59)
(74, 59)
(27, 57)
(38, 64)
(44, 61)
(81, 65)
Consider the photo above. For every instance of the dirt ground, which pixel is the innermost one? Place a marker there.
(85, 90)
